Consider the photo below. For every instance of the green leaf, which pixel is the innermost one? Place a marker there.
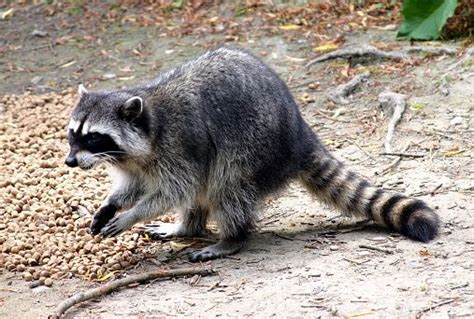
(178, 4)
(424, 19)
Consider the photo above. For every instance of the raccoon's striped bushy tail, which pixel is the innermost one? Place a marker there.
(337, 186)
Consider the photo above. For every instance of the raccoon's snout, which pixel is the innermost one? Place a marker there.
(71, 161)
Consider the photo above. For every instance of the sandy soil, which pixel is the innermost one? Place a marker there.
(305, 259)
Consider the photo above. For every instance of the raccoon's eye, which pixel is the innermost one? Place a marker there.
(92, 138)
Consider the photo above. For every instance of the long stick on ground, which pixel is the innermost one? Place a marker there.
(113, 285)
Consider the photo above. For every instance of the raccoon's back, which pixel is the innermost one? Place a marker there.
(252, 118)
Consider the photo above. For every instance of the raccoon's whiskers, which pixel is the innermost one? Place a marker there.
(108, 158)
(110, 152)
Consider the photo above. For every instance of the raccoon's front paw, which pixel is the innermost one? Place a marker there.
(117, 225)
(102, 217)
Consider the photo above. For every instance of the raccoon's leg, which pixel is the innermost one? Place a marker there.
(193, 225)
(235, 218)
(334, 184)
(124, 195)
(147, 208)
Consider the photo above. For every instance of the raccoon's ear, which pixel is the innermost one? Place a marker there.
(131, 109)
(82, 90)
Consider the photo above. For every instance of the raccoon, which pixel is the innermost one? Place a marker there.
(213, 137)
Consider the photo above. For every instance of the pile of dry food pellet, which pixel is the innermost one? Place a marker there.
(46, 207)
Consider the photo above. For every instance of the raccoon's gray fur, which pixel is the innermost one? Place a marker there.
(214, 137)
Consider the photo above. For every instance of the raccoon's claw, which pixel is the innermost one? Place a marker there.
(162, 231)
(219, 250)
(116, 226)
(101, 218)
(110, 229)
(202, 255)
(97, 224)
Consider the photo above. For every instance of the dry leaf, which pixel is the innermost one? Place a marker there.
(289, 27)
(65, 65)
(360, 314)
(453, 151)
(305, 98)
(146, 237)
(424, 252)
(6, 14)
(177, 247)
(326, 47)
(106, 276)
(295, 59)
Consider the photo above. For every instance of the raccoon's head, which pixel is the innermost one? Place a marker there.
(107, 127)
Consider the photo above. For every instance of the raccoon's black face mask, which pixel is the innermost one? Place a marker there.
(90, 149)
(102, 129)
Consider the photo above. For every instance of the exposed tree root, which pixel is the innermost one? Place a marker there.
(365, 51)
(369, 51)
(113, 285)
(394, 104)
(444, 84)
(340, 93)
(429, 50)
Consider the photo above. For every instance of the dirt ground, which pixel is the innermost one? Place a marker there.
(304, 260)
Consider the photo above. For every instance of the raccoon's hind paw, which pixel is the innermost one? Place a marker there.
(162, 231)
(219, 250)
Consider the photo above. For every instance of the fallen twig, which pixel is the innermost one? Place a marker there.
(436, 305)
(429, 192)
(113, 285)
(443, 83)
(393, 103)
(402, 154)
(467, 56)
(302, 84)
(283, 236)
(432, 132)
(355, 261)
(331, 118)
(366, 51)
(339, 94)
(464, 285)
(394, 163)
(382, 250)
(45, 46)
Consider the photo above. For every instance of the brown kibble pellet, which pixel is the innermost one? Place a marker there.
(20, 268)
(27, 276)
(10, 266)
(36, 276)
(48, 282)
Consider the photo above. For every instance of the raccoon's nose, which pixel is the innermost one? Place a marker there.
(71, 161)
